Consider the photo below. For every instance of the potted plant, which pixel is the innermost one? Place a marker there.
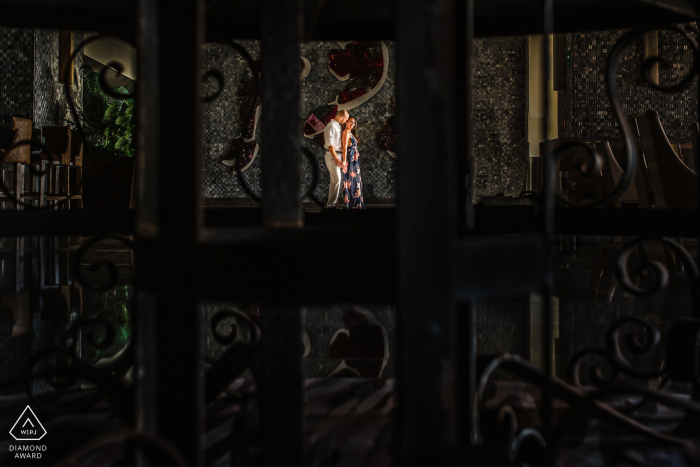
(108, 126)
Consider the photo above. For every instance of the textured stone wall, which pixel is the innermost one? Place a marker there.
(221, 123)
(16, 63)
(50, 103)
(499, 110)
(29, 86)
(585, 104)
(500, 115)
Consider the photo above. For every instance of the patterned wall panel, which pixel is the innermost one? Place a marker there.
(17, 71)
(585, 104)
(500, 115)
(50, 105)
(221, 123)
(500, 119)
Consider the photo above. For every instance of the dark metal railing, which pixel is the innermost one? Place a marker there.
(429, 253)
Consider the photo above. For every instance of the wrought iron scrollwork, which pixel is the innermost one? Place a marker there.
(528, 445)
(107, 382)
(243, 338)
(617, 343)
(636, 336)
(647, 339)
(623, 274)
(131, 441)
(524, 445)
(113, 273)
(234, 333)
(218, 76)
(63, 365)
(628, 138)
(117, 67)
(11, 196)
(238, 151)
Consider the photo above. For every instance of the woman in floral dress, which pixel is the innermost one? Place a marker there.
(352, 182)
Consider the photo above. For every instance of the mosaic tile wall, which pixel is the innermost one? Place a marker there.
(29, 64)
(500, 115)
(50, 104)
(17, 71)
(221, 123)
(585, 103)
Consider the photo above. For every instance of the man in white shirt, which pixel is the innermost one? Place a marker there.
(334, 158)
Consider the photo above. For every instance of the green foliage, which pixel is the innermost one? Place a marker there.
(119, 130)
(107, 122)
(116, 307)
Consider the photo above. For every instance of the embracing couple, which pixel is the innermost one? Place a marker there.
(343, 162)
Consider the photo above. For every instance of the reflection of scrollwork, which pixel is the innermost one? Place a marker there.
(65, 368)
(111, 267)
(131, 441)
(241, 354)
(581, 406)
(230, 338)
(614, 354)
(107, 381)
(623, 274)
(506, 443)
(85, 321)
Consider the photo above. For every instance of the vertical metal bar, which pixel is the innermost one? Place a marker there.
(548, 228)
(280, 378)
(465, 316)
(466, 372)
(695, 294)
(280, 389)
(464, 62)
(281, 32)
(427, 225)
(169, 335)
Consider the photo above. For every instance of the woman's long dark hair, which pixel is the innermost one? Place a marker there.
(354, 130)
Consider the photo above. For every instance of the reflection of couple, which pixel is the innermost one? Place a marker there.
(342, 160)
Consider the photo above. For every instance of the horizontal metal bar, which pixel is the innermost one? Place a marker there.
(493, 18)
(66, 222)
(305, 266)
(498, 265)
(226, 225)
(294, 266)
(583, 221)
(517, 17)
(628, 222)
(110, 18)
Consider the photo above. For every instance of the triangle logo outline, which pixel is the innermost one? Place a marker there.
(21, 417)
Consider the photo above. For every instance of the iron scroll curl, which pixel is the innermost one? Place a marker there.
(219, 78)
(627, 134)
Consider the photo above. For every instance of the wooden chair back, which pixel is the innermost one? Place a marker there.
(22, 131)
(58, 141)
(671, 183)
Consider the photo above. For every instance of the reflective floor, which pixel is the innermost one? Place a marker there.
(349, 350)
